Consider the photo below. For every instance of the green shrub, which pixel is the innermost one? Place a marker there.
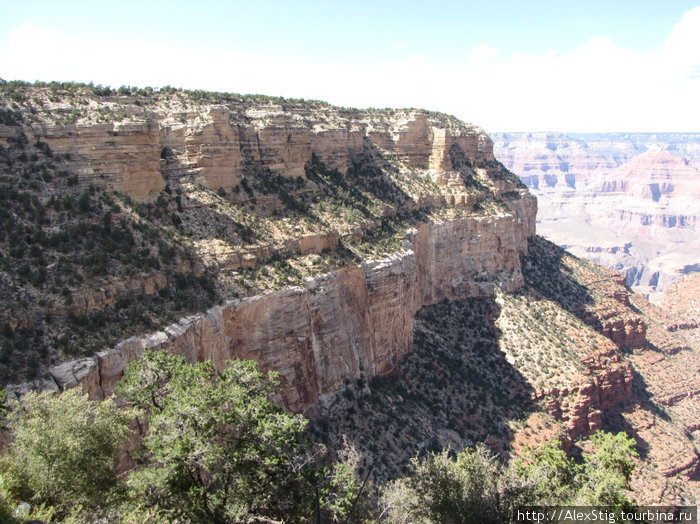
(219, 450)
(64, 448)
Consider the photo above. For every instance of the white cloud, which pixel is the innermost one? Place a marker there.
(682, 49)
(483, 53)
(597, 87)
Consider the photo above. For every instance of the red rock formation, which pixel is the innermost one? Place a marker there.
(581, 406)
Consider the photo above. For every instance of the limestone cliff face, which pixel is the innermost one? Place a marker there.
(466, 258)
(355, 321)
(123, 156)
(214, 171)
(219, 146)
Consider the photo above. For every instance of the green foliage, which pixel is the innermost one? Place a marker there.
(4, 409)
(460, 490)
(63, 449)
(474, 487)
(613, 453)
(550, 473)
(218, 449)
(6, 500)
(57, 242)
(607, 471)
(340, 489)
(601, 479)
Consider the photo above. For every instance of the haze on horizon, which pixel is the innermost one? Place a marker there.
(506, 66)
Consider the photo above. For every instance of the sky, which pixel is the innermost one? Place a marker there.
(540, 65)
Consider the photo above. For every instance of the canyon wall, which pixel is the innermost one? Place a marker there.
(218, 146)
(627, 201)
(227, 177)
(355, 321)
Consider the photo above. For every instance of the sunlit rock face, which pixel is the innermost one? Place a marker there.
(219, 145)
(630, 202)
(355, 320)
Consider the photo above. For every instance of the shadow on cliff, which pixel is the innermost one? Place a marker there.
(364, 196)
(367, 174)
(641, 399)
(545, 272)
(454, 389)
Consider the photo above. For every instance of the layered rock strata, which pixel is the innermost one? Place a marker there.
(219, 146)
(627, 201)
(122, 156)
(355, 321)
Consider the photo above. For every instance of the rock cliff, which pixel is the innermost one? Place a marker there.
(218, 145)
(571, 352)
(321, 230)
(355, 321)
(382, 262)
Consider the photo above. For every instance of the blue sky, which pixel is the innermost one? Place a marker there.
(536, 65)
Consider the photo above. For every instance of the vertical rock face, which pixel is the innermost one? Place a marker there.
(123, 156)
(275, 331)
(355, 321)
(334, 147)
(219, 146)
(465, 258)
(284, 149)
(391, 289)
(415, 140)
(340, 325)
(215, 145)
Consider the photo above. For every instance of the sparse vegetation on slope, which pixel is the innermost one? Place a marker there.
(60, 243)
(86, 266)
(519, 370)
(215, 449)
(245, 197)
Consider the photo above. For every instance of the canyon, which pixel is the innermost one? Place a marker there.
(383, 262)
(627, 201)
(331, 326)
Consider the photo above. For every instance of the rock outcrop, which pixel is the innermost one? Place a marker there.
(199, 169)
(355, 321)
(122, 156)
(581, 407)
(219, 146)
(222, 197)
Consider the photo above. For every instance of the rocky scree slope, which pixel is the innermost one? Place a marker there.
(312, 233)
(571, 352)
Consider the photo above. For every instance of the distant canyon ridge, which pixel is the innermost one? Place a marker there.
(629, 201)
